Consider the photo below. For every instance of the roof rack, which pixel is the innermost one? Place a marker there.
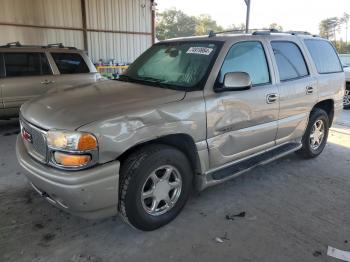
(263, 31)
(56, 45)
(212, 33)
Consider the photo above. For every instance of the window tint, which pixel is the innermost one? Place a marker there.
(290, 61)
(26, 64)
(324, 56)
(247, 57)
(70, 63)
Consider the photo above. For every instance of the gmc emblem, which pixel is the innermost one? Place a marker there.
(26, 136)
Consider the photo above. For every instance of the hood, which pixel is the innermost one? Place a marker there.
(71, 108)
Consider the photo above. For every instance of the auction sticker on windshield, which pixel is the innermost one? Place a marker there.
(199, 50)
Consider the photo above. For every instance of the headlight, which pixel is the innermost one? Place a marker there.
(71, 141)
(71, 149)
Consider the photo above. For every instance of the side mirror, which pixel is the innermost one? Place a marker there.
(236, 81)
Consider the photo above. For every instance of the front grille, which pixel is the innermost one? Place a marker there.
(37, 147)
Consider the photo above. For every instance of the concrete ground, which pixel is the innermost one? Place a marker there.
(293, 210)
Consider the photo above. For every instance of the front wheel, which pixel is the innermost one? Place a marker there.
(155, 185)
(316, 134)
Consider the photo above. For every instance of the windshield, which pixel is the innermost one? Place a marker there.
(181, 65)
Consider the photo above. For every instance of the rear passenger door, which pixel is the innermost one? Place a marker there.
(297, 88)
(26, 75)
(73, 69)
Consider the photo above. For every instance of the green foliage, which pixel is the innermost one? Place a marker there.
(204, 24)
(175, 23)
(276, 26)
(330, 26)
(237, 27)
(342, 47)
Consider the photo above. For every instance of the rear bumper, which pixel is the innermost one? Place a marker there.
(91, 193)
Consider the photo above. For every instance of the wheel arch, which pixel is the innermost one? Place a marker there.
(182, 142)
(328, 106)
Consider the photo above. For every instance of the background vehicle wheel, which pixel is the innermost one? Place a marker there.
(316, 134)
(155, 184)
(346, 100)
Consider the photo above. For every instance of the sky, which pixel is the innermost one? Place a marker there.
(297, 15)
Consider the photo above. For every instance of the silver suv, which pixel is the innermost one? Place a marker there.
(29, 71)
(188, 113)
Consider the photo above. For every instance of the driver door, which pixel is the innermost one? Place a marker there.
(241, 123)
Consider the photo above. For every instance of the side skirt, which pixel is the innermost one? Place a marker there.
(222, 174)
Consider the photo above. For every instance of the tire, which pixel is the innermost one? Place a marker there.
(310, 149)
(137, 180)
(346, 100)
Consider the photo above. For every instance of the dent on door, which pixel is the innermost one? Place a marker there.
(240, 124)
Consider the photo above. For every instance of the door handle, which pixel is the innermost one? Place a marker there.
(46, 82)
(271, 98)
(309, 90)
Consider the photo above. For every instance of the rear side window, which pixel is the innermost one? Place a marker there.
(324, 56)
(290, 61)
(26, 64)
(70, 63)
(247, 57)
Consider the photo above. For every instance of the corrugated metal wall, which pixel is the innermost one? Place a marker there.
(116, 29)
(62, 13)
(126, 16)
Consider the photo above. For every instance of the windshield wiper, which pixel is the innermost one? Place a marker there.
(150, 81)
(153, 81)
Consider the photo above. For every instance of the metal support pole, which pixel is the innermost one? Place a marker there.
(83, 16)
(247, 2)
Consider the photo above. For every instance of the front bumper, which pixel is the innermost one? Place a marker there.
(91, 193)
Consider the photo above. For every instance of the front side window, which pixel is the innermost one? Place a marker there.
(181, 65)
(290, 61)
(324, 56)
(246, 57)
(25, 64)
(70, 63)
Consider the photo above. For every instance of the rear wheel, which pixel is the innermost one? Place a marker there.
(155, 185)
(316, 134)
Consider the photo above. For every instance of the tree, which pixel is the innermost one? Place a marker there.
(175, 23)
(328, 27)
(345, 20)
(276, 26)
(240, 27)
(205, 24)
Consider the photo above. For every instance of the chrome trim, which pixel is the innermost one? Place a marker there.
(93, 153)
(33, 153)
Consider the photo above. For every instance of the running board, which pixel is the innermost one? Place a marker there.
(235, 169)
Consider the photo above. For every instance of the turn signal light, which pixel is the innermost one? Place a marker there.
(86, 142)
(71, 160)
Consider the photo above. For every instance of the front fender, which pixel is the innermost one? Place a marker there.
(117, 135)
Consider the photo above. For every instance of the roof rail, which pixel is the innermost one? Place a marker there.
(57, 45)
(253, 31)
(16, 44)
(264, 31)
(212, 33)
